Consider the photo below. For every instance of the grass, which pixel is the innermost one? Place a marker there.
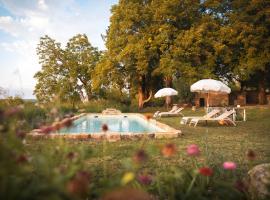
(55, 168)
(217, 144)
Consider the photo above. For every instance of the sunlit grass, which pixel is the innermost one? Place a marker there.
(217, 143)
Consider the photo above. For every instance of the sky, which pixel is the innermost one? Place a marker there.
(23, 22)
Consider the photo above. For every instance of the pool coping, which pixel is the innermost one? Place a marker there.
(169, 132)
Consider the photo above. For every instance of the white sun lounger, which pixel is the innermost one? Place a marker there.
(174, 113)
(223, 117)
(211, 114)
(174, 108)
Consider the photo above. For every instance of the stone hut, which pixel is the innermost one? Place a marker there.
(200, 99)
(235, 98)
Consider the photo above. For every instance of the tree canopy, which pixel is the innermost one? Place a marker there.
(66, 74)
(152, 43)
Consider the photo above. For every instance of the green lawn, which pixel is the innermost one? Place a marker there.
(217, 144)
(52, 164)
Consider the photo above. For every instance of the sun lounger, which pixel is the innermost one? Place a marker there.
(174, 113)
(211, 114)
(223, 117)
(174, 108)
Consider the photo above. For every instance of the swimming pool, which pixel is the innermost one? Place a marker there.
(117, 123)
(120, 126)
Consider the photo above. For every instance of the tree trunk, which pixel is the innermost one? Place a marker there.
(168, 81)
(262, 95)
(140, 97)
(142, 93)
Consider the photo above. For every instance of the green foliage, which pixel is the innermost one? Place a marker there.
(96, 106)
(150, 43)
(182, 85)
(65, 73)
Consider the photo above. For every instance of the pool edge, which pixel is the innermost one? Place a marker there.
(169, 132)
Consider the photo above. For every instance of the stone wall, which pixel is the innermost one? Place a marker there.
(214, 99)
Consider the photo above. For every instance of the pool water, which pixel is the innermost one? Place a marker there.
(122, 124)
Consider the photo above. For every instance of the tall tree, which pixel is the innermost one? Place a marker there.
(129, 44)
(247, 35)
(81, 59)
(48, 78)
(141, 34)
(65, 74)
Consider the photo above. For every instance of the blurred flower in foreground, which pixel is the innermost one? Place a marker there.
(56, 126)
(206, 171)
(148, 117)
(193, 150)
(140, 156)
(105, 127)
(79, 184)
(145, 179)
(169, 150)
(128, 177)
(67, 122)
(229, 165)
(46, 129)
(251, 155)
(127, 193)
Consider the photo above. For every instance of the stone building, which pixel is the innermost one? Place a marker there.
(200, 99)
(235, 98)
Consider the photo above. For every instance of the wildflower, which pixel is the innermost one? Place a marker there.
(169, 150)
(229, 165)
(193, 150)
(79, 184)
(251, 155)
(46, 129)
(145, 179)
(67, 122)
(128, 177)
(140, 156)
(105, 127)
(56, 126)
(148, 117)
(206, 171)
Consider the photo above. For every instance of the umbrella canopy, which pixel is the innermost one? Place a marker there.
(210, 86)
(165, 92)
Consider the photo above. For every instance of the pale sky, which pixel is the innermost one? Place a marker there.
(23, 22)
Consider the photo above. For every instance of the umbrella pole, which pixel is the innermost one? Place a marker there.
(167, 102)
(207, 99)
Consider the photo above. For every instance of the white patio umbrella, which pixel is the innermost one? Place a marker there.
(166, 92)
(210, 86)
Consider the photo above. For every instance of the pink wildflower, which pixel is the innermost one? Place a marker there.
(145, 179)
(229, 165)
(193, 150)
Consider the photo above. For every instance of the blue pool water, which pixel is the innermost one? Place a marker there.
(122, 124)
